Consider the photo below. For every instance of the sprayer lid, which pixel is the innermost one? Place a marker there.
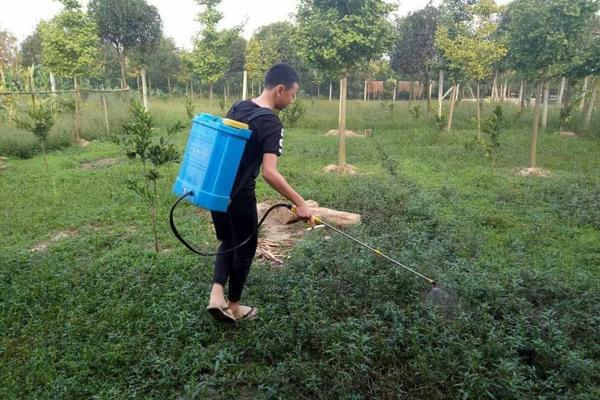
(235, 124)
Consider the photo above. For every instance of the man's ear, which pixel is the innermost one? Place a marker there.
(280, 89)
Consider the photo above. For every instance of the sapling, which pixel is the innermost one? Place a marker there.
(415, 112)
(493, 126)
(189, 108)
(292, 114)
(38, 120)
(138, 142)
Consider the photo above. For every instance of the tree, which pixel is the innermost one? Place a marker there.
(544, 37)
(339, 35)
(8, 54)
(127, 25)
(70, 47)
(163, 62)
(211, 46)
(236, 54)
(473, 49)
(31, 49)
(414, 49)
(273, 44)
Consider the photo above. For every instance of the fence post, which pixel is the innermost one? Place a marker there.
(144, 90)
(105, 112)
(245, 86)
(77, 111)
(440, 93)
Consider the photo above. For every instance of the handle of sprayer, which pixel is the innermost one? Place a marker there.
(314, 218)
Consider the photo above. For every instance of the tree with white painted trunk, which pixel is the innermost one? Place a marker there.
(210, 54)
(339, 36)
(74, 30)
(473, 50)
(544, 38)
(414, 52)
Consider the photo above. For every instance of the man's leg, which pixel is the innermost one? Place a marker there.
(243, 222)
(223, 262)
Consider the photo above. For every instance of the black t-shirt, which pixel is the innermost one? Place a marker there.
(267, 137)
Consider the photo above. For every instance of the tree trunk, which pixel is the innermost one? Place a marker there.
(561, 92)
(590, 109)
(395, 90)
(566, 105)
(32, 87)
(440, 93)
(144, 90)
(536, 121)
(192, 89)
(478, 114)
(583, 93)
(430, 88)
(342, 121)
(122, 63)
(495, 86)
(52, 84)
(245, 86)
(522, 94)
(451, 114)
(545, 110)
(77, 111)
(365, 92)
(169, 85)
(2, 78)
(330, 89)
(210, 92)
(411, 90)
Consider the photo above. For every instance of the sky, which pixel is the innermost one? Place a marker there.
(21, 16)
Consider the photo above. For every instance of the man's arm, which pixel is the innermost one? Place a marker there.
(278, 182)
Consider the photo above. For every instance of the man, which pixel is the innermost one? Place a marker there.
(240, 220)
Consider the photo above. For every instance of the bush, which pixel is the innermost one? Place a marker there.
(291, 115)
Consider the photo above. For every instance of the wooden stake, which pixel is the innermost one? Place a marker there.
(105, 106)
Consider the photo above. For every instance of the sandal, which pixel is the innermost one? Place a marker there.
(221, 314)
(249, 315)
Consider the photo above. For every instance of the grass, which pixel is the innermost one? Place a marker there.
(98, 314)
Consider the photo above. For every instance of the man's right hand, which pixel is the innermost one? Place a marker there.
(304, 212)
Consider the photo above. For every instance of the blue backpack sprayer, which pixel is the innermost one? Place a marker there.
(209, 169)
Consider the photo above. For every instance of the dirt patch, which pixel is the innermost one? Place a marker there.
(83, 143)
(534, 172)
(568, 134)
(3, 163)
(349, 133)
(57, 237)
(341, 169)
(99, 163)
(277, 238)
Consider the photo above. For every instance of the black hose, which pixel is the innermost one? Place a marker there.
(189, 246)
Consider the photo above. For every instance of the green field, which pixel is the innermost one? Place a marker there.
(95, 313)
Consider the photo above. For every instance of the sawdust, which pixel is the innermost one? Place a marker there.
(276, 238)
(568, 134)
(349, 133)
(534, 172)
(57, 237)
(342, 169)
(99, 163)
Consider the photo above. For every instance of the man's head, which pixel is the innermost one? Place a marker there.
(282, 82)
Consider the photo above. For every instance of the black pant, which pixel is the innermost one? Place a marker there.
(233, 227)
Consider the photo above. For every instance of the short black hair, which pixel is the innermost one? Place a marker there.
(281, 74)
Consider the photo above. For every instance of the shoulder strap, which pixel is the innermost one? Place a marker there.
(248, 172)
